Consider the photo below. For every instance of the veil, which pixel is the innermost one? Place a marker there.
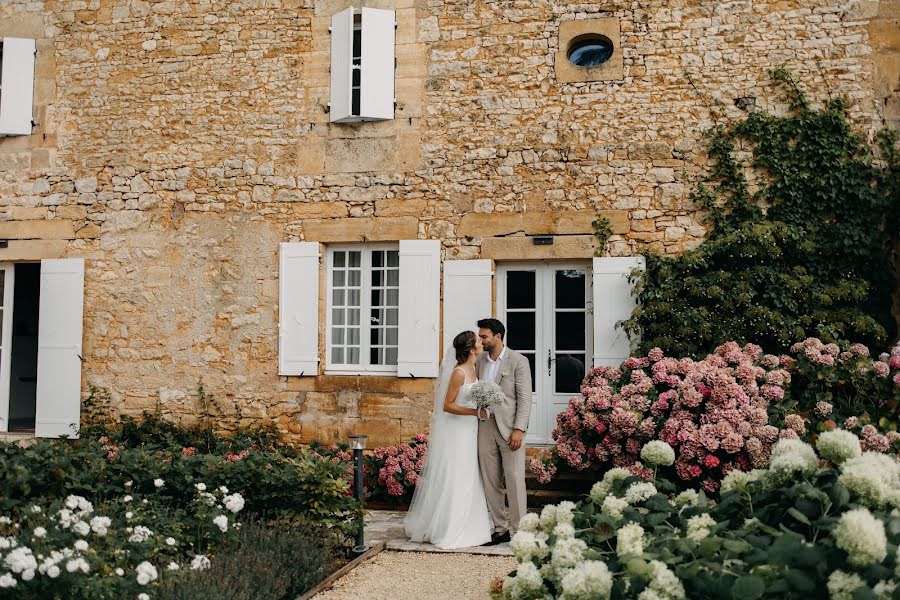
(426, 495)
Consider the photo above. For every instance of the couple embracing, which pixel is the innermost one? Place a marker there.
(476, 459)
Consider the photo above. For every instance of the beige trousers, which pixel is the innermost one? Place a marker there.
(503, 474)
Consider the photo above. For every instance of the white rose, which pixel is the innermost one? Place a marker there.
(170, 541)
(39, 532)
(127, 499)
(158, 483)
(53, 571)
(120, 571)
(81, 545)
(201, 487)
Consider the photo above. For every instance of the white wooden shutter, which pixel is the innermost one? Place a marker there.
(16, 86)
(341, 65)
(377, 78)
(58, 410)
(467, 296)
(613, 302)
(420, 297)
(298, 309)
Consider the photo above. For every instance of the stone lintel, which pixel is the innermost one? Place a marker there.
(361, 229)
(536, 223)
(523, 248)
(37, 230)
(33, 250)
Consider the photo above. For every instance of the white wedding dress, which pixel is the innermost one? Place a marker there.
(449, 508)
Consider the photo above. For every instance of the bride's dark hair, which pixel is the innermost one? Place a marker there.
(463, 343)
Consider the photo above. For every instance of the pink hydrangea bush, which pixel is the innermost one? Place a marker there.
(726, 411)
(713, 412)
(392, 472)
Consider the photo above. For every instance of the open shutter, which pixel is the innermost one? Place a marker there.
(16, 86)
(341, 65)
(377, 77)
(613, 302)
(420, 297)
(58, 410)
(298, 309)
(467, 296)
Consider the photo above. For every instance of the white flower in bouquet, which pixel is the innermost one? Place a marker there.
(81, 545)
(173, 566)
(838, 445)
(884, 589)
(143, 596)
(613, 506)
(20, 559)
(530, 522)
(53, 571)
(548, 518)
(7, 581)
(140, 534)
(120, 571)
(201, 487)
(688, 497)
(862, 536)
(602, 488)
(221, 522)
(640, 491)
(170, 541)
(35, 509)
(664, 582)
(564, 530)
(589, 580)
(101, 525)
(526, 545)
(39, 532)
(81, 528)
(567, 553)
(158, 483)
(199, 563)
(127, 498)
(486, 394)
(659, 453)
(77, 564)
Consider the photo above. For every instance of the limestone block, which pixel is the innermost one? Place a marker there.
(559, 223)
(359, 155)
(400, 207)
(364, 229)
(56, 229)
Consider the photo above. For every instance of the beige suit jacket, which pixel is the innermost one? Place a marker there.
(514, 378)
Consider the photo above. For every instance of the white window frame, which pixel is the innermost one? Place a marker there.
(365, 310)
(6, 342)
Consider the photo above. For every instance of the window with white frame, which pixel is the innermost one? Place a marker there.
(362, 65)
(16, 85)
(363, 309)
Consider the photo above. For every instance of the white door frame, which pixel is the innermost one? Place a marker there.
(543, 411)
(9, 271)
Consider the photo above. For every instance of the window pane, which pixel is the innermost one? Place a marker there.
(339, 278)
(338, 298)
(390, 356)
(353, 337)
(378, 258)
(377, 277)
(340, 259)
(355, 258)
(376, 356)
(570, 372)
(338, 316)
(337, 355)
(393, 298)
(520, 330)
(353, 356)
(376, 297)
(353, 316)
(391, 318)
(530, 357)
(377, 317)
(520, 289)
(392, 335)
(354, 277)
(570, 288)
(337, 335)
(393, 277)
(570, 331)
(376, 336)
(393, 258)
(2, 284)
(353, 297)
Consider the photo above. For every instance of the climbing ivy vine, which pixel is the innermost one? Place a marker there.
(802, 242)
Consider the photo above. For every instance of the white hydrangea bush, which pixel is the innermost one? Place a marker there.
(812, 524)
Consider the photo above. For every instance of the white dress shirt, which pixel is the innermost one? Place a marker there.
(493, 366)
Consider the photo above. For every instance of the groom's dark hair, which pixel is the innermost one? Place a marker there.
(494, 325)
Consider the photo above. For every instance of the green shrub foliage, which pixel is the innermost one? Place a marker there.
(801, 248)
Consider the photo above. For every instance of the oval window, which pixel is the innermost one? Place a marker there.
(591, 50)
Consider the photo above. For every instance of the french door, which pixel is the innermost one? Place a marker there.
(546, 308)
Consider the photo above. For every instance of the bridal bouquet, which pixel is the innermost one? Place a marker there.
(486, 394)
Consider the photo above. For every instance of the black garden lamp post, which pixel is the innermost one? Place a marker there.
(358, 444)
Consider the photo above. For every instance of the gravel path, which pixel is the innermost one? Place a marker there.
(420, 576)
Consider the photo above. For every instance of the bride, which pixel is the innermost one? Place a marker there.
(448, 507)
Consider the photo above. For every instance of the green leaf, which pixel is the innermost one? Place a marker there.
(737, 546)
(748, 587)
(798, 515)
(800, 581)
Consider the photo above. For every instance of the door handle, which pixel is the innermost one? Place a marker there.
(550, 360)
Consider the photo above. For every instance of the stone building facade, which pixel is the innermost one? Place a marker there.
(178, 144)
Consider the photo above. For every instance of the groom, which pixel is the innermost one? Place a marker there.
(501, 437)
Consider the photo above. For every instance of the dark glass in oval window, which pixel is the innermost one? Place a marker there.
(590, 52)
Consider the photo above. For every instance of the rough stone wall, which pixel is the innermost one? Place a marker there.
(178, 142)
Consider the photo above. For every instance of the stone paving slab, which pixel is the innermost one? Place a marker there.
(387, 526)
